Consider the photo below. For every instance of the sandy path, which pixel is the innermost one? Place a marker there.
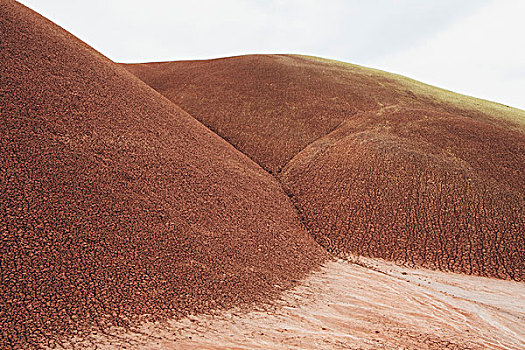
(350, 306)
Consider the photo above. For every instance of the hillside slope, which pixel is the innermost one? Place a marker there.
(377, 164)
(117, 205)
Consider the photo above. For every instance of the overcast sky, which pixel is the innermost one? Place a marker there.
(476, 47)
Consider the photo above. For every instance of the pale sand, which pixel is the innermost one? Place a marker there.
(370, 305)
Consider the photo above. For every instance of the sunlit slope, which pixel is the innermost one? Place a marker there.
(116, 205)
(377, 164)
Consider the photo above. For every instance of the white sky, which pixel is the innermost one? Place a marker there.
(476, 47)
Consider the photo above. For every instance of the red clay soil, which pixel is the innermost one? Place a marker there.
(117, 205)
(376, 166)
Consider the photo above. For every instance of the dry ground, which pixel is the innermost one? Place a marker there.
(119, 207)
(370, 305)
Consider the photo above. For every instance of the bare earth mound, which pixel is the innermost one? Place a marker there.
(117, 204)
(377, 164)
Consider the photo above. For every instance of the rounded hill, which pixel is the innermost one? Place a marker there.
(116, 204)
(377, 164)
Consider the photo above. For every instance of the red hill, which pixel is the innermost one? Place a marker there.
(116, 204)
(377, 164)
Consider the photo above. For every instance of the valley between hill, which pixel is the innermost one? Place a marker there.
(204, 203)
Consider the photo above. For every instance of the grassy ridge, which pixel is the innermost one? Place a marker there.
(440, 95)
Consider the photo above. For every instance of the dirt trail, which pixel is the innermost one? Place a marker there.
(350, 306)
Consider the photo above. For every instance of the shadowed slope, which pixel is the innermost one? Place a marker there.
(378, 164)
(116, 204)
